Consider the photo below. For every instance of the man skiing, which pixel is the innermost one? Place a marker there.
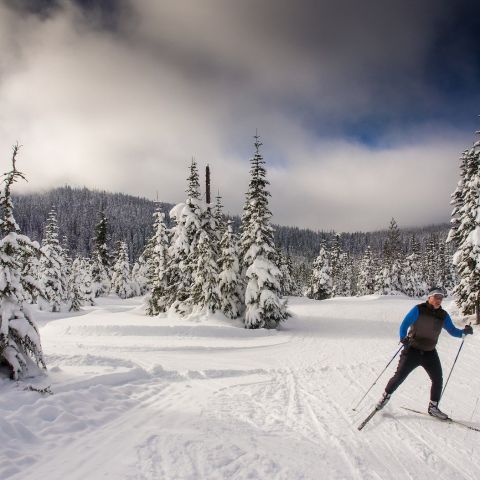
(419, 333)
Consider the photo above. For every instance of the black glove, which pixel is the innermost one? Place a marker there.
(468, 330)
(405, 341)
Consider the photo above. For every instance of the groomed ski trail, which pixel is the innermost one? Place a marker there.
(238, 405)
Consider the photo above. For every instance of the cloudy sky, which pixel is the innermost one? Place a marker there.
(363, 107)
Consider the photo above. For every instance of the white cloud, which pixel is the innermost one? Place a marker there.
(350, 187)
(127, 112)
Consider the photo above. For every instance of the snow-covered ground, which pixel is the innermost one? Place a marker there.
(154, 398)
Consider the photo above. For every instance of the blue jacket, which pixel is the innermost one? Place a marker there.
(412, 317)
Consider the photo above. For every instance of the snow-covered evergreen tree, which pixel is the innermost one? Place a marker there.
(179, 273)
(101, 241)
(320, 284)
(464, 232)
(81, 281)
(205, 295)
(76, 285)
(412, 278)
(20, 343)
(336, 265)
(121, 279)
(366, 273)
(413, 281)
(29, 267)
(344, 278)
(101, 259)
(219, 217)
(287, 285)
(66, 270)
(156, 257)
(183, 251)
(444, 267)
(389, 278)
(430, 262)
(139, 277)
(51, 269)
(447, 268)
(101, 282)
(264, 305)
(474, 277)
(229, 278)
(302, 273)
(350, 276)
(383, 278)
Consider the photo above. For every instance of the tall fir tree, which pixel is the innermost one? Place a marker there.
(101, 241)
(264, 307)
(465, 233)
(101, 258)
(20, 346)
(183, 251)
(156, 258)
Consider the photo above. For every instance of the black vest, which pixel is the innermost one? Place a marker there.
(427, 328)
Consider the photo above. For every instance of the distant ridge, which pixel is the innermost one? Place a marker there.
(130, 219)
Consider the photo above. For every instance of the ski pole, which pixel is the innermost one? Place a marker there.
(451, 370)
(366, 393)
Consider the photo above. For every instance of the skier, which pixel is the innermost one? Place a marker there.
(424, 324)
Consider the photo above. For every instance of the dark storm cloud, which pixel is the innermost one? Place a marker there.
(105, 14)
(343, 93)
(376, 58)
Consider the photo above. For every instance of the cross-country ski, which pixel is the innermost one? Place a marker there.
(369, 417)
(448, 420)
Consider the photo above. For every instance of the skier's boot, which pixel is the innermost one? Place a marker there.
(434, 411)
(383, 400)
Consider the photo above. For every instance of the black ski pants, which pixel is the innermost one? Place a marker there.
(410, 359)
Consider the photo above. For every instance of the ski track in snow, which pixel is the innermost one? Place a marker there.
(141, 398)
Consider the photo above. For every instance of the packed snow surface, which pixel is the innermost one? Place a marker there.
(136, 397)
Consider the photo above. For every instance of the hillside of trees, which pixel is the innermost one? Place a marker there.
(130, 220)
